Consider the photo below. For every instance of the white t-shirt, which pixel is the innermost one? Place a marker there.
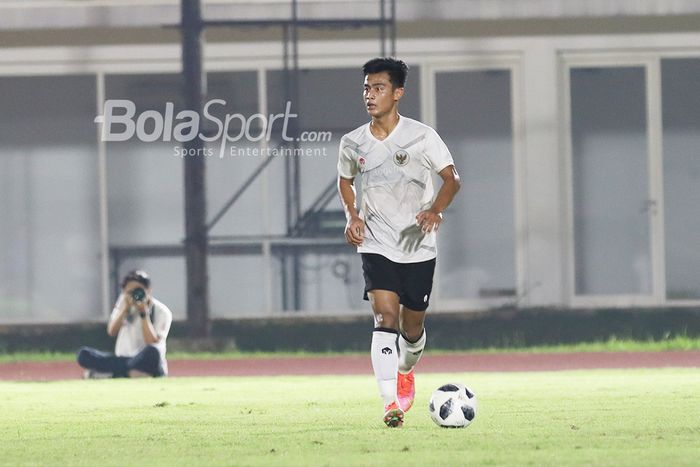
(396, 184)
(130, 337)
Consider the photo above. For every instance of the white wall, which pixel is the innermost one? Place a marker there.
(542, 202)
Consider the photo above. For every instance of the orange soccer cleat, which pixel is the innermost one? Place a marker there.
(393, 416)
(406, 390)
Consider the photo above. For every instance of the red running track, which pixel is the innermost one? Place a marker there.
(360, 364)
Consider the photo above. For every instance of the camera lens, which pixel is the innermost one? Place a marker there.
(138, 294)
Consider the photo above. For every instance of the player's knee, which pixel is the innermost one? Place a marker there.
(83, 356)
(151, 354)
(412, 332)
(150, 361)
(412, 325)
(385, 319)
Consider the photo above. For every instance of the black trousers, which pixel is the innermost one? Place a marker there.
(146, 361)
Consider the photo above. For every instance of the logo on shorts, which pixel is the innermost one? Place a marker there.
(401, 158)
(386, 351)
(425, 299)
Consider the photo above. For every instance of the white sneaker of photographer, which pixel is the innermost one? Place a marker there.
(92, 374)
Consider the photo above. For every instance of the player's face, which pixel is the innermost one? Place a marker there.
(379, 95)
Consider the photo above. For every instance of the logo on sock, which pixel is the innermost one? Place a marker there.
(417, 353)
(387, 351)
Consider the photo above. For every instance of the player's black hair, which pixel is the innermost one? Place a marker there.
(397, 69)
(139, 276)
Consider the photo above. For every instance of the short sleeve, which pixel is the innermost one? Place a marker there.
(437, 152)
(162, 322)
(347, 165)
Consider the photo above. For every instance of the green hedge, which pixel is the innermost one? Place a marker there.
(460, 331)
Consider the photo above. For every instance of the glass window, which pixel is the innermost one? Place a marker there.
(227, 170)
(49, 235)
(330, 104)
(237, 284)
(146, 186)
(681, 146)
(477, 240)
(145, 179)
(610, 181)
(231, 278)
(330, 100)
(328, 281)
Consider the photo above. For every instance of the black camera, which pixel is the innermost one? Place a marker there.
(138, 294)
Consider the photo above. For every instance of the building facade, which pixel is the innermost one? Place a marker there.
(574, 125)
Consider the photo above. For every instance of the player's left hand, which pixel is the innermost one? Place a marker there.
(142, 306)
(428, 220)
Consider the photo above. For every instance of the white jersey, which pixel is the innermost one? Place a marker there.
(396, 184)
(130, 338)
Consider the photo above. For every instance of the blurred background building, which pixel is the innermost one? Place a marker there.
(575, 126)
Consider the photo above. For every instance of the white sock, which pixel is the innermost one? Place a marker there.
(385, 361)
(410, 352)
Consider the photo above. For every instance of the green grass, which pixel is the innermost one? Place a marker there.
(603, 417)
(611, 345)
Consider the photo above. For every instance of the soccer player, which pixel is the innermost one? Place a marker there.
(395, 228)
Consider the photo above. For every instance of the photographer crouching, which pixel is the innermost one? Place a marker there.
(141, 324)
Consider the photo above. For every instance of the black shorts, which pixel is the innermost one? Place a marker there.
(413, 282)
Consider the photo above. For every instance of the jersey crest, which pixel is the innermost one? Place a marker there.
(401, 158)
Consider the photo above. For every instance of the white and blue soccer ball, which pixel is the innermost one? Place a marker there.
(453, 405)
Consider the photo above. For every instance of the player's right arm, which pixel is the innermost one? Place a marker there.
(347, 170)
(121, 309)
(355, 227)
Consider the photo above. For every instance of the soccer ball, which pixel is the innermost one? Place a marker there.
(452, 406)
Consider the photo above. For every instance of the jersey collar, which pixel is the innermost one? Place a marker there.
(389, 136)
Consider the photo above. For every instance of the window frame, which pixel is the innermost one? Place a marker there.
(512, 63)
(654, 157)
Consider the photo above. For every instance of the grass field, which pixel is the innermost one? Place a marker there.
(605, 417)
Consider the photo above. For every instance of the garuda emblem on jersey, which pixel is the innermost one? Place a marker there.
(401, 158)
